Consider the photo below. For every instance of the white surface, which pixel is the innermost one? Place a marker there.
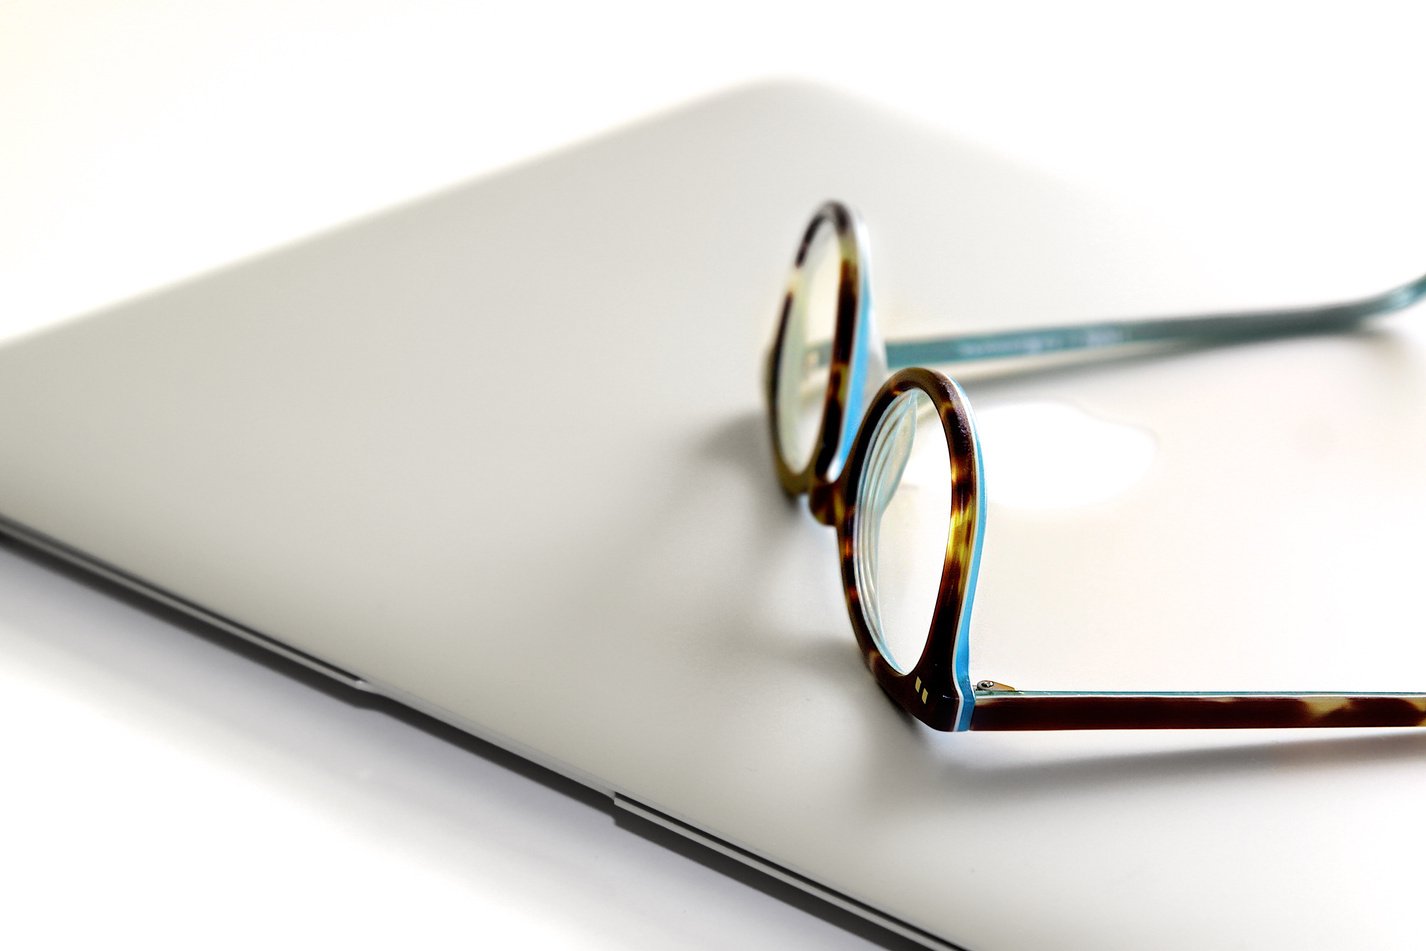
(139, 152)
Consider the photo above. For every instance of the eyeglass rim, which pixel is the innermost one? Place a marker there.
(937, 688)
(847, 366)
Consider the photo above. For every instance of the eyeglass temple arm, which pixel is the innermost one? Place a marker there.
(1225, 326)
(1001, 708)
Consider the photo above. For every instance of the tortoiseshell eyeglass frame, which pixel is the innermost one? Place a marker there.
(937, 689)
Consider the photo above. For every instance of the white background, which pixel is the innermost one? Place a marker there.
(170, 789)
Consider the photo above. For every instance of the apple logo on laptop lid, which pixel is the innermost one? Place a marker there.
(1045, 454)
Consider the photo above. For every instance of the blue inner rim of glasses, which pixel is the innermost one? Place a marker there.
(857, 401)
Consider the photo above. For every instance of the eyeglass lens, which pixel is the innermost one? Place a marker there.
(901, 526)
(805, 357)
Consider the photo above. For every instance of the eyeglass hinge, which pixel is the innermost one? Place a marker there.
(993, 686)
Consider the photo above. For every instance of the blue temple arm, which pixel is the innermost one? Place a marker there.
(1115, 333)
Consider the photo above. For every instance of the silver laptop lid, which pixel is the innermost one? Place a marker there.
(501, 455)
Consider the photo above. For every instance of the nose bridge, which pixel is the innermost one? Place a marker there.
(824, 501)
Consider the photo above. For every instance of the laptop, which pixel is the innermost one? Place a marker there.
(501, 456)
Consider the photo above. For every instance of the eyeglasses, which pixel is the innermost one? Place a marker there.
(897, 471)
